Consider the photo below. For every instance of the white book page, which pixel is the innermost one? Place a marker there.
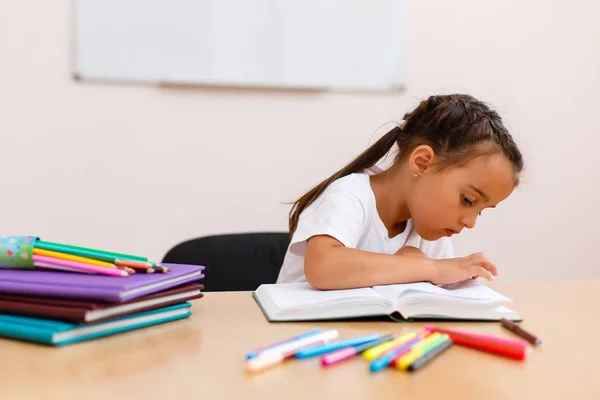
(300, 301)
(471, 291)
(301, 295)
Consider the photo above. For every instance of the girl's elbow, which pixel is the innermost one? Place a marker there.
(315, 277)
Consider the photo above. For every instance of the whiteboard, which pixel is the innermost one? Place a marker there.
(303, 44)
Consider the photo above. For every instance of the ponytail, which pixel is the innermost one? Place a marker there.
(453, 125)
(367, 159)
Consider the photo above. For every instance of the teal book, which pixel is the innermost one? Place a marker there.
(59, 333)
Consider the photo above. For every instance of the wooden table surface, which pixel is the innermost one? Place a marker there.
(203, 357)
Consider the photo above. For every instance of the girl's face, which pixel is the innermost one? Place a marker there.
(443, 203)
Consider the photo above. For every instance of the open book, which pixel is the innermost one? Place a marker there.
(463, 301)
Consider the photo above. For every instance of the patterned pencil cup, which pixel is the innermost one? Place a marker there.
(16, 252)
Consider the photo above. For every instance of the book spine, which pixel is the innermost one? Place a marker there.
(67, 292)
(26, 333)
(43, 311)
(124, 329)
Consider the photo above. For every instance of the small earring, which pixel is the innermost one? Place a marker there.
(415, 176)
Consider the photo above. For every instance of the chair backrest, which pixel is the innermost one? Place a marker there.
(234, 262)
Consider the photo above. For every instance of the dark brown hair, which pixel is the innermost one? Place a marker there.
(456, 126)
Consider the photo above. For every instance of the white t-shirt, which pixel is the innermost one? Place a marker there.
(347, 211)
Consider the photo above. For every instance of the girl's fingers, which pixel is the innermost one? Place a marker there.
(482, 260)
(480, 271)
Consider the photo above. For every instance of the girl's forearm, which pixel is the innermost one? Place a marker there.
(339, 267)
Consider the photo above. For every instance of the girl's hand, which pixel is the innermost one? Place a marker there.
(455, 270)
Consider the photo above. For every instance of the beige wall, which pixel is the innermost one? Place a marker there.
(137, 169)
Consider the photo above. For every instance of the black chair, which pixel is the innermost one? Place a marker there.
(234, 262)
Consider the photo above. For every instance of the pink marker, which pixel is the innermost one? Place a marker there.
(349, 352)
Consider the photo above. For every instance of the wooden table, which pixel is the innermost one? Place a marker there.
(202, 357)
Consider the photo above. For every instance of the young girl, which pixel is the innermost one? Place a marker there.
(363, 226)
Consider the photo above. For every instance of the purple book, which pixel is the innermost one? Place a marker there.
(95, 287)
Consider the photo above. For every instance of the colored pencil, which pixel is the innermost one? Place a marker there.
(127, 269)
(70, 257)
(80, 266)
(51, 267)
(133, 263)
(101, 255)
(142, 266)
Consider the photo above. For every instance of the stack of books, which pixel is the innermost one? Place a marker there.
(60, 300)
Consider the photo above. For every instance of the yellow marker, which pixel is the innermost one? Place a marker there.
(63, 256)
(376, 351)
(420, 349)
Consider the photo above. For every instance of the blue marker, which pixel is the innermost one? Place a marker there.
(383, 361)
(255, 353)
(320, 349)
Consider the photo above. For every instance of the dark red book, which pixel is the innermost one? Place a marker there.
(84, 311)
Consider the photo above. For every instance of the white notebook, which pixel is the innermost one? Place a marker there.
(465, 301)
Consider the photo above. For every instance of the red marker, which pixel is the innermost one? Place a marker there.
(515, 349)
(510, 342)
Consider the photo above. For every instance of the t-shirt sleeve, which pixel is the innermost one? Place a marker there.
(339, 214)
(439, 249)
